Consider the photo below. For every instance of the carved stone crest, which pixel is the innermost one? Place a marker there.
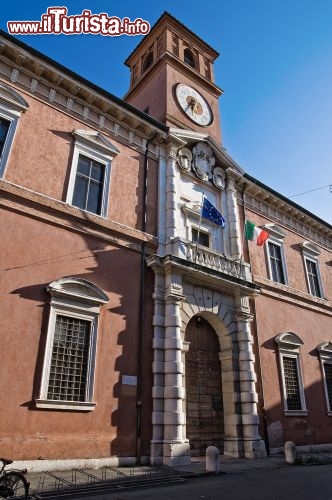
(219, 178)
(203, 161)
(184, 159)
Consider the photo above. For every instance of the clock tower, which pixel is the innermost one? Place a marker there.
(172, 78)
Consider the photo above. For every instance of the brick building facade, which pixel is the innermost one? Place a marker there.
(138, 330)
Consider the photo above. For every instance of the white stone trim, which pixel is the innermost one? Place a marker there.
(325, 356)
(76, 298)
(289, 345)
(12, 105)
(310, 252)
(95, 146)
(34, 466)
(276, 241)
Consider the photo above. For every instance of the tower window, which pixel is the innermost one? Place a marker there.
(189, 58)
(147, 61)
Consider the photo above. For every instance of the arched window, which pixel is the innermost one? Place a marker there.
(147, 61)
(289, 345)
(189, 58)
(69, 361)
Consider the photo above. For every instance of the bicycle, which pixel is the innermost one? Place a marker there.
(13, 484)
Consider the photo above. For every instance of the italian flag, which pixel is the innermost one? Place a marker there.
(255, 233)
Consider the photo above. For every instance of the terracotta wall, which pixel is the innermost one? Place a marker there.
(33, 254)
(277, 310)
(41, 158)
(274, 317)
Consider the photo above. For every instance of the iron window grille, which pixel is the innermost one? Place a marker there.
(292, 386)
(69, 361)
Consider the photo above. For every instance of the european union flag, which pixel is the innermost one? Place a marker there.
(210, 212)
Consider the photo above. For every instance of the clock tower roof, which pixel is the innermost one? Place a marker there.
(167, 17)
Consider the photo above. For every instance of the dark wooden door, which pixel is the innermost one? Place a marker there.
(204, 409)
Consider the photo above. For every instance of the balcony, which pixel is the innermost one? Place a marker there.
(206, 257)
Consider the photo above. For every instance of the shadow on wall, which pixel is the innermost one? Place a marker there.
(117, 271)
(303, 428)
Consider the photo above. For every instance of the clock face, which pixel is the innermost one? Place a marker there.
(194, 105)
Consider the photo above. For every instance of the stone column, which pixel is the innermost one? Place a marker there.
(176, 448)
(253, 445)
(232, 214)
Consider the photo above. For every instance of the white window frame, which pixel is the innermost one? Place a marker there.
(311, 252)
(80, 299)
(200, 230)
(325, 357)
(289, 345)
(276, 236)
(280, 244)
(12, 105)
(193, 220)
(92, 145)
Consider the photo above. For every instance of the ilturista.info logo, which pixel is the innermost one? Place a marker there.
(56, 21)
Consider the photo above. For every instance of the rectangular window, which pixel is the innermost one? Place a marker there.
(292, 383)
(276, 263)
(4, 127)
(328, 383)
(200, 237)
(313, 278)
(89, 185)
(69, 361)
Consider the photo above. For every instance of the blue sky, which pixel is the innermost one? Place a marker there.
(275, 68)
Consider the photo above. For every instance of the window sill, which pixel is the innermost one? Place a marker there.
(49, 404)
(296, 413)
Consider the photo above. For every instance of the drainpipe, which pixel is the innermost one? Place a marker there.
(141, 317)
(258, 360)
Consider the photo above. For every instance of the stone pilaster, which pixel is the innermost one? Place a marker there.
(253, 445)
(172, 186)
(176, 447)
(156, 452)
(232, 214)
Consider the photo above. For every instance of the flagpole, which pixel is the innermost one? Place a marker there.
(199, 225)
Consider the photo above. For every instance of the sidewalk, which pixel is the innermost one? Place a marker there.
(109, 478)
(234, 465)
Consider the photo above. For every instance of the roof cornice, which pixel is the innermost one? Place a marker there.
(31, 61)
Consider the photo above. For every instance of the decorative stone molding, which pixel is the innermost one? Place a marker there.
(325, 348)
(96, 139)
(219, 178)
(310, 249)
(292, 295)
(274, 230)
(12, 97)
(288, 340)
(83, 102)
(61, 214)
(77, 289)
(289, 217)
(203, 161)
(184, 159)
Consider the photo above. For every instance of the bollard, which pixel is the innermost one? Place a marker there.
(212, 459)
(290, 452)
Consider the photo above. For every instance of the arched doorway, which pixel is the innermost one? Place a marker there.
(204, 406)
